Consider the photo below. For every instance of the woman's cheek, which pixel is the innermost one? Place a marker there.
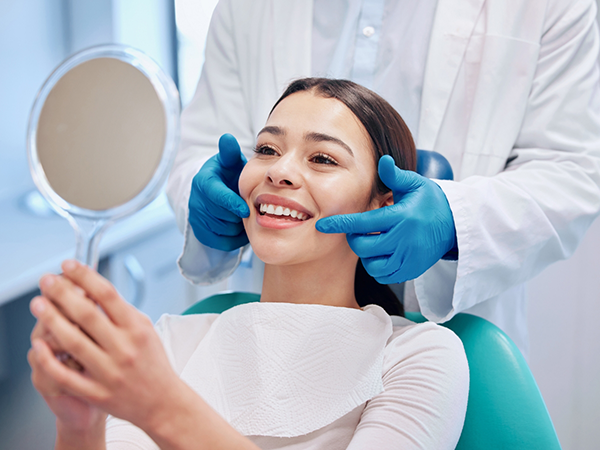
(244, 183)
(345, 200)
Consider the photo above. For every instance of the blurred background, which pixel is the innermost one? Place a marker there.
(139, 254)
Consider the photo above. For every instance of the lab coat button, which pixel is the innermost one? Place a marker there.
(368, 31)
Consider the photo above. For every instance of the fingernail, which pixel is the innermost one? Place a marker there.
(37, 306)
(47, 281)
(69, 265)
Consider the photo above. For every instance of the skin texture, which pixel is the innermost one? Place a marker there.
(314, 152)
(123, 362)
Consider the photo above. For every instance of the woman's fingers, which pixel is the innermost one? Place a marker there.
(51, 378)
(100, 290)
(40, 379)
(71, 339)
(41, 332)
(72, 302)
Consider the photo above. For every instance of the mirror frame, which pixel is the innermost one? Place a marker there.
(169, 98)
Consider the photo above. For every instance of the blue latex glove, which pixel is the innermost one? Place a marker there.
(216, 208)
(411, 235)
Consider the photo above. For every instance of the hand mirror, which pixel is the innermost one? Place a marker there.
(101, 140)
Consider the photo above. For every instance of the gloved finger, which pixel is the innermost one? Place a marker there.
(220, 213)
(209, 223)
(384, 272)
(229, 243)
(370, 245)
(220, 195)
(398, 180)
(220, 242)
(230, 154)
(377, 220)
(393, 278)
(379, 266)
(217, 226)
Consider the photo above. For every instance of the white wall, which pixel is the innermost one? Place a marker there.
(564, 307)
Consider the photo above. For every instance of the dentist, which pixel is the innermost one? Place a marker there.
(506, 90)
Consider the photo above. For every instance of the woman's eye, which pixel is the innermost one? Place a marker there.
(265, 150)
(322, 158)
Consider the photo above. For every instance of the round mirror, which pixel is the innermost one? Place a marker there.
(102, 136)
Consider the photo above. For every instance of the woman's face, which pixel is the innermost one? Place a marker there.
(313, 159)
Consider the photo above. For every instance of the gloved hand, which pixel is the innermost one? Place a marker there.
(411, 235)
(216, 208)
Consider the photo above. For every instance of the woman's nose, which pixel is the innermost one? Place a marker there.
(284, 173)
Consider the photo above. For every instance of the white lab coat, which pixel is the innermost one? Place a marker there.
(510, 97)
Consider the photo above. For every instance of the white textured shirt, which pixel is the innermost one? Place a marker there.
(415, 377)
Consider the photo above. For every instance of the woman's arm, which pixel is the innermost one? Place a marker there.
(126, 371)
(426, 386)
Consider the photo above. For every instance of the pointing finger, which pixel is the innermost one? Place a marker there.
(375, 221)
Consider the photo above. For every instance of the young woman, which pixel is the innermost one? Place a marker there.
(324, 361)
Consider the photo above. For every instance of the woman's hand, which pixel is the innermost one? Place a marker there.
(126, 371)
(75, 417)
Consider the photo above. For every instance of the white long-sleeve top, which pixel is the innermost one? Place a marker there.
(318, 377)
(510, 99)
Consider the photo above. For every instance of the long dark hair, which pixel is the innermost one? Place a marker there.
(389, 136)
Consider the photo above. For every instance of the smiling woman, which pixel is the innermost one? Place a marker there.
(317, 157)
(316, 364)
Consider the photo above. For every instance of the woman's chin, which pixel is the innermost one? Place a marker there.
(273, 256)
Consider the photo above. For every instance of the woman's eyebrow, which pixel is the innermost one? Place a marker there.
(277, 131)
(320, 137)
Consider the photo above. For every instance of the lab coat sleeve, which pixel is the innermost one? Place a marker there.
(512, 225)
(217, 107)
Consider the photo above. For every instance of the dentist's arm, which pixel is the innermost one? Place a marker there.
(219, 106)
(400, 242)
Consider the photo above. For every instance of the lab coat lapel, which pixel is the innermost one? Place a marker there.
(453, 24)
(293, 39)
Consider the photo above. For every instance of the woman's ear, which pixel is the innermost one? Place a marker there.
(382, 200)
(387, 199)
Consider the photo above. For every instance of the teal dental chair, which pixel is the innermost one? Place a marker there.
(505, 410)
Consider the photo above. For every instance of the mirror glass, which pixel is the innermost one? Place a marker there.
(102, 137)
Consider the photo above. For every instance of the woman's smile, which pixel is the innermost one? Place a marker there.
(274, 211)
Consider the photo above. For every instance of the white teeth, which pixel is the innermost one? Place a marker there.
(281, 211)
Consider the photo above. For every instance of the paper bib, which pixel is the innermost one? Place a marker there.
(282, 369)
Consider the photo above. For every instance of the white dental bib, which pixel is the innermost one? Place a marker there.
(284, 370)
